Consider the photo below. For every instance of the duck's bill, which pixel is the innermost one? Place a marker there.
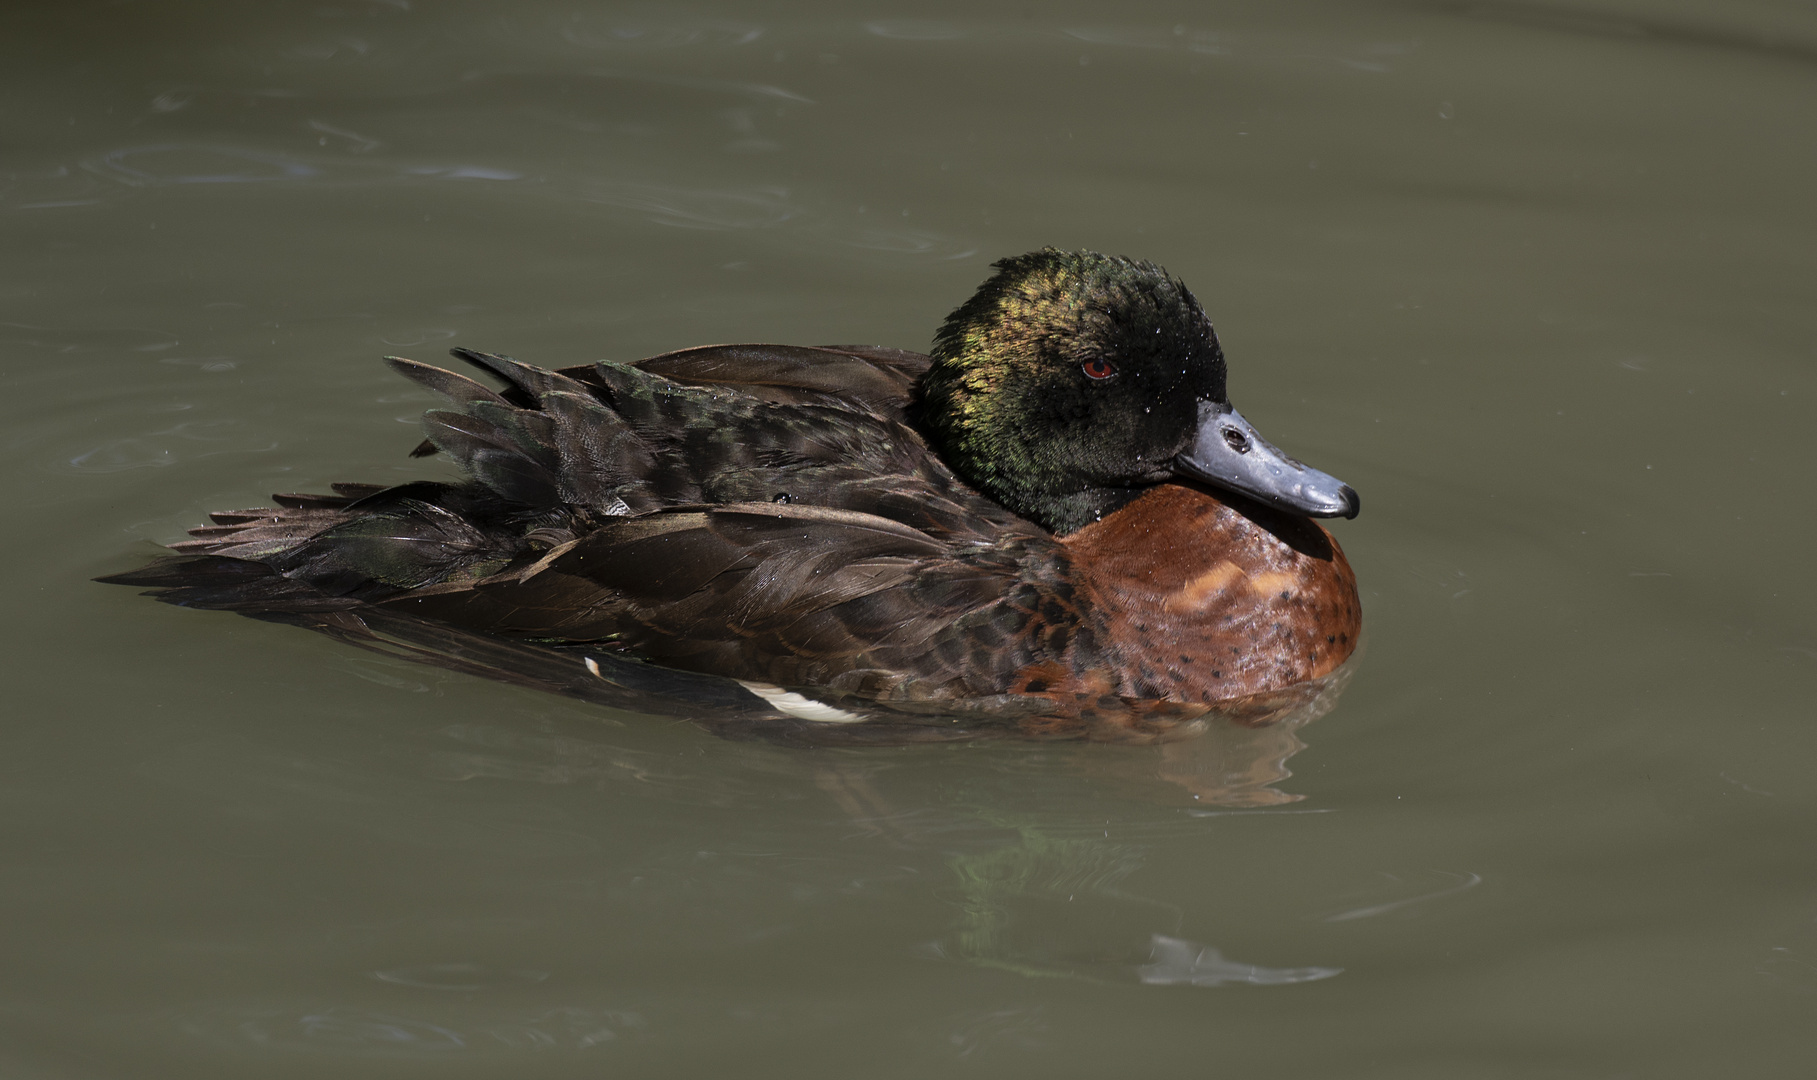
(1227, 452)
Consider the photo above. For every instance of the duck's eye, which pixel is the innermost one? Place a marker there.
(1098, 368)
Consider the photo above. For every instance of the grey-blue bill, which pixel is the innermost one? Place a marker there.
(1227, 451)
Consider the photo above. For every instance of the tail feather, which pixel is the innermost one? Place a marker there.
(223, 583)
(456, 388)
(547, 441)
(527, 380)
(357, 492)
(266, 531)
(301, 501)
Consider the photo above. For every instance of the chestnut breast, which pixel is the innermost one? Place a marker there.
(1198, 597)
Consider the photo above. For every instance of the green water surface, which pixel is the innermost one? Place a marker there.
(1538, 278)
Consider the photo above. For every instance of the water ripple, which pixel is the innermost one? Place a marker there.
(120, 455)
(351, 1030)
(715, 86)
(465, 172)
(1178, 962)
(908, 242)
(1462, 882)
(621, 34)
(178, 163)
(459, 977)
(406, 338)
(1138, 37)
(751, 208)
(915, 30)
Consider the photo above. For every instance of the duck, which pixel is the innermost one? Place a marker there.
(1053, 525)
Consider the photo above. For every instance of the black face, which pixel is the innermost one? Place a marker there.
(1117, 399)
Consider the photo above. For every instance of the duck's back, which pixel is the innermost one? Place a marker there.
(869, 377)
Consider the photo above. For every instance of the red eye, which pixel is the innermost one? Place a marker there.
(1097, 368)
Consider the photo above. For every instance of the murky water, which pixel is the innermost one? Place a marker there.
(1536, 277)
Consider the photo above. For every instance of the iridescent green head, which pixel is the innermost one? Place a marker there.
(1071, 382)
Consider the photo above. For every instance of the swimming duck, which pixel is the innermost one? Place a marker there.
(1055, 524)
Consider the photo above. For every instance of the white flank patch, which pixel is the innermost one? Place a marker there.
(593, 666)
(794, 704)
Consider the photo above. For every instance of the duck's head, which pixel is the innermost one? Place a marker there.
(1072, 381)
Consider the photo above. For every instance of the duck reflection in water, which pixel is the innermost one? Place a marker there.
(1032, 881)
(1048, 901)
(1055, 526)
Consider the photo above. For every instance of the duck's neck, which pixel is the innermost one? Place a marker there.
(1067, 514)
(1007, 468)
